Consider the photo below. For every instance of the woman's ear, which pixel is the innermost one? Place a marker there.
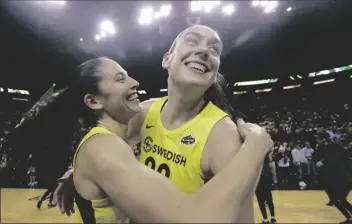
(92, 102)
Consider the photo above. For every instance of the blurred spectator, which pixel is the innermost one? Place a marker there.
(299, 160)
(31, 172)
(3, 161)
(283, 167)
(272, 166)
(308, 152)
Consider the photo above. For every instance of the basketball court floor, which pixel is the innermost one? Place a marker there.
(290, 206)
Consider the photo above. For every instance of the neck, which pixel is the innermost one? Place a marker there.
(113, 126)
(183, 103)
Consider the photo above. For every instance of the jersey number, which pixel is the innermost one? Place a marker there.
(163, 167)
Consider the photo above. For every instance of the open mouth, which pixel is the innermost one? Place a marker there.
(132, 97)
(198, 67)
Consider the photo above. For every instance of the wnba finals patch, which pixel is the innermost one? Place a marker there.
(188, 140)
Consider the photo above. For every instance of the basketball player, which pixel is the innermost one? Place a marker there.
(107, 173)
(333, 165)
(181, 133)
(31, 172)
(49, 192)
(263, 191)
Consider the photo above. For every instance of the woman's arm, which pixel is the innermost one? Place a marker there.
(146, 196)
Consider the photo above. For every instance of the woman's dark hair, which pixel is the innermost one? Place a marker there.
(68, 114)
(217, 95)
(83, 80)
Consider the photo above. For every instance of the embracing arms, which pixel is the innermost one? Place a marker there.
(146, 196)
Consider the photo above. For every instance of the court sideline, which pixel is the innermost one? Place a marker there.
(290, 206)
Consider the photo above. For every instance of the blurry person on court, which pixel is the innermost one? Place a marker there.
(263, 191)
(332, 161)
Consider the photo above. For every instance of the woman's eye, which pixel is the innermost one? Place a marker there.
(120, 78)
(216, 49)
(191, 41)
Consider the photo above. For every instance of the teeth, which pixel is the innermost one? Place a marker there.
(133, 96)
(196, 66)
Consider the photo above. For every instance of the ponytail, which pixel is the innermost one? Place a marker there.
(61, 117)
(217, 95)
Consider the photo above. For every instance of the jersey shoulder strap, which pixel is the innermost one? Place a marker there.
(92, 132)
(154, 110)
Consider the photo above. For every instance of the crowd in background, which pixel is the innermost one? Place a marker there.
(299, 136)
(298, 133)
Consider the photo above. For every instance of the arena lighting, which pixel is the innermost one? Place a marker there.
(345, 68)
(262, 90)
(146, 16)
(323, 81)
(81, 39)
(288, 9)
(292, 87)
(292, 78)
(337, 69)
(264, 3)
(334, 70)
(324, 72)
(268, 6)
(205, 6)
(256, 82)
(271, 6)
(107, 27)
(20, 99)
(163, 90)
(196, 7)
(210, 5)
(300, 77)
(18, 91)
(58, 2)
(163, 12)
(256, 3)
(102, 34)
(142, 92)
(228, 9)
(97, 37)
(1, 90)
(238, 93)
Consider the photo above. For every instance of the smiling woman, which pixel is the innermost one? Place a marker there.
(185, 137)
(105, 169)
(207, 63)
(100, 96)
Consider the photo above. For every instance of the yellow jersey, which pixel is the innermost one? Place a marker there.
(104, 210)
(177, 153)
